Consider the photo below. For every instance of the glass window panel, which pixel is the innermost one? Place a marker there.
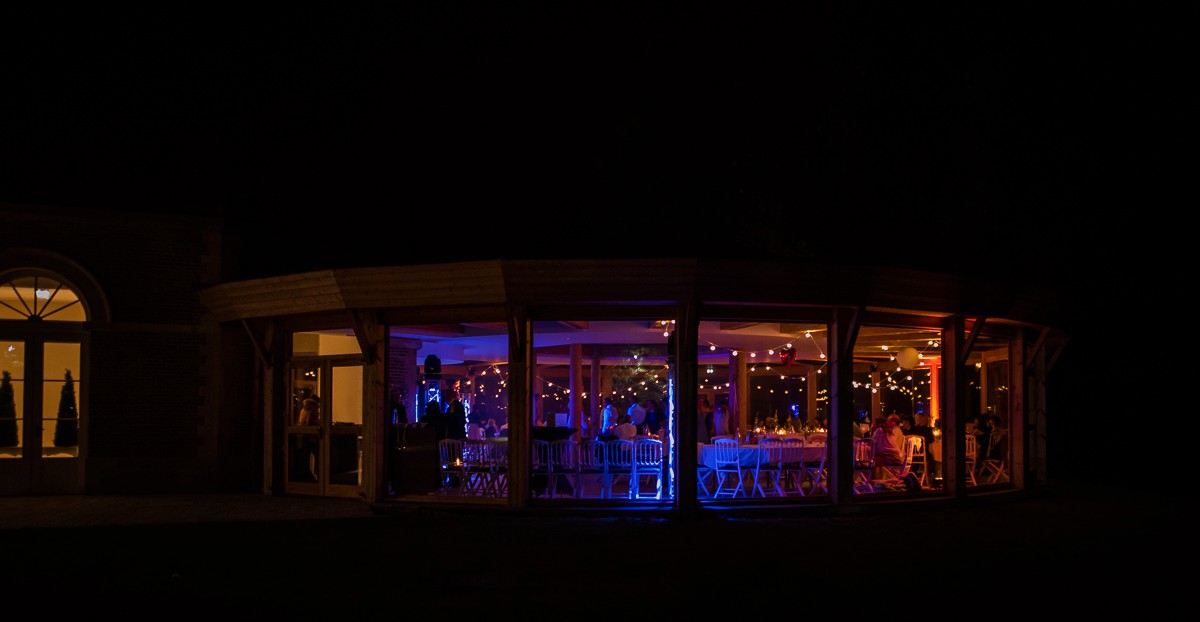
(12, 358)
(42, 297)
(12, 398)
(989, 381)
(347, 405)
(897, 370)
(303, 455)
(306, 397)
(60, 400)
(766, 383)
(577, 365)
(424, 361)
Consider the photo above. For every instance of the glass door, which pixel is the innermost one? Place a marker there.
(324, 428)
(40, 424)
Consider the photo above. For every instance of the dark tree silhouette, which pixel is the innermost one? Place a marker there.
(8, 413)
(66, 432)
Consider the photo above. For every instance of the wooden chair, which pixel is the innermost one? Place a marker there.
(540, 467)
(450, 457)
(563, 466)
(497, 457)
(995, 468)
(592, 463)
(769, 464)
(619, 461)
(918, 465)
(816, 473)
(728, 464)
(864, 465)
(970, 454)
(792, 466)
(647, 463)
(477, 469)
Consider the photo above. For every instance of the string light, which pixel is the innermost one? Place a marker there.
(773, 350)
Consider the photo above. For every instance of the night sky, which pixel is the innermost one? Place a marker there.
(420, 131)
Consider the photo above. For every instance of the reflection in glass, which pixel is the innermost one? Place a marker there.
(60, 405)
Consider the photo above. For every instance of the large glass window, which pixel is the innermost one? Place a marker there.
(42, 377)
(602, 415)
(325, 418)
(60, 402)
(41, 297)
(762, 410)
(447, 411)
(897, 376)
(989, 424)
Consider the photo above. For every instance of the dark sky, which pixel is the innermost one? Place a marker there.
(418, 130)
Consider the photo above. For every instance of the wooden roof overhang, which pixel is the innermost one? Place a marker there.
(723, 288)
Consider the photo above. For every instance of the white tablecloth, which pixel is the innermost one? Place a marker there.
(748, 454)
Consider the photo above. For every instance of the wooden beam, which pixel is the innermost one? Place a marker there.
(258, 347)
(1054, 356)
(1037, 346)
(969, 342)
(362, 332)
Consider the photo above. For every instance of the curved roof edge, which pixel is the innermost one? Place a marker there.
(582, 281)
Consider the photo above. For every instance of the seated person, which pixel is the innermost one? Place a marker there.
(624, 429)
(888, 442)
(997, 436)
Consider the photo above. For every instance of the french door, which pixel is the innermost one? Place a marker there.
(42, 428)
(323, 432)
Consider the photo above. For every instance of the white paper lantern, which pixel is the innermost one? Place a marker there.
(908, 357)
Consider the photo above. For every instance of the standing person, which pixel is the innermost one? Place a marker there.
(397, 417)
(396, 422)
(304, 466)
(704, 421)
(608, 417)
(655, 418)
(456, 415)
(310, 411)
(435, 419)
(720, 422)
(637, 416)
(997, 448)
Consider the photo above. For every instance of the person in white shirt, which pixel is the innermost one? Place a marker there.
(720, 421)
(637, 416)
(608, 417)
(624, 430)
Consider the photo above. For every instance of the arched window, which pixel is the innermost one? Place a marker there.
(39, 296)
(44, 314)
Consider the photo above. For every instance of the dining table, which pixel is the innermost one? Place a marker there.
(748, 457)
